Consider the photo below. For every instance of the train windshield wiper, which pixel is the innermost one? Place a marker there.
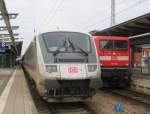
(58, 49)
(75, 46)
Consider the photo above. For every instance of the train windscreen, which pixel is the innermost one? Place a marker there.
(67, 41)
(114, 45)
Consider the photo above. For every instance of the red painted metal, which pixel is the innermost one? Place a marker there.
(73, 70)
(113, 55)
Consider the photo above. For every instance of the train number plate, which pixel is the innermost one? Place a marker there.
(113, 57)
(73, 70)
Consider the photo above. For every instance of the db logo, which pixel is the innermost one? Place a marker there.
(3, 44)
(73, 70)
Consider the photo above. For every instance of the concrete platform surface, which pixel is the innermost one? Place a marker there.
(16, 98)
(5, 74)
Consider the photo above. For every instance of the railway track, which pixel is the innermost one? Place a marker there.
(44, 107)
(131, 95)
(71, 108)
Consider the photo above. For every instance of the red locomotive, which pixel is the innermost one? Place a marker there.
(114, 56)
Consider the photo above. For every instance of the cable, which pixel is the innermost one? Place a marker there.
(55, 11)
(139, 2)
(50, 11)
(107, 9)
(106, 18)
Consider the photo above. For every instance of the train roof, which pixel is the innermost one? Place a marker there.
(111, 37)
(57, 29)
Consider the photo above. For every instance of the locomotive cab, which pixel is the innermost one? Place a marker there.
(114, 59)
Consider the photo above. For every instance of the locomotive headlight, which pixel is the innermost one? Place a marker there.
(92, 68)
(127, 64)
(51, 68)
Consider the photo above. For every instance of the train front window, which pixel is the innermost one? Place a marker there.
(61, 41)
(120, 45)
(114, 45)
(106, 44)
(54, 41)
(80, 40)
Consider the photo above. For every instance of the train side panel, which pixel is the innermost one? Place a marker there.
(30, 60)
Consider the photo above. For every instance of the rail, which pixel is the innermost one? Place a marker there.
(139, 97)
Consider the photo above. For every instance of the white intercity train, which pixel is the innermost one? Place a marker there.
(63, 65)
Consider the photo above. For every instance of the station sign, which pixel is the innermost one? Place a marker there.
(3, 45)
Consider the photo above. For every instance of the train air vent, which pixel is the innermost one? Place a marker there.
(71, 60)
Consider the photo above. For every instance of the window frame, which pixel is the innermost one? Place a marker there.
(46, 46)
(113, 45)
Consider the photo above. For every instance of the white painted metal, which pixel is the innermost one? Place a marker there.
(73, 71)
(106, 58)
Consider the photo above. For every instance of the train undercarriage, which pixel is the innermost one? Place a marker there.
(116, 77)
(69, 90)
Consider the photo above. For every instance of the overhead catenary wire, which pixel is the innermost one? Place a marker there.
(118, 13)
(107, 9)
(50, 12)
(39, 26)
(54, 12)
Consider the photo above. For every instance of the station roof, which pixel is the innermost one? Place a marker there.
(6, 17)
(136, 26)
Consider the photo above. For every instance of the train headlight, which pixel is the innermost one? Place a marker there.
(92, 68)
(127, 64)
(51, 68)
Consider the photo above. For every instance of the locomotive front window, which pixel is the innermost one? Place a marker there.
(114, 45)
(66, 41)
(106, 44)
(120, 45)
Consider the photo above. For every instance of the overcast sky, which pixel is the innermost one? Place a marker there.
(84, 14)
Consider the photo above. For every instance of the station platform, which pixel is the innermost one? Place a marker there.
(5, 74)
(141, 83)
(16, 97)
